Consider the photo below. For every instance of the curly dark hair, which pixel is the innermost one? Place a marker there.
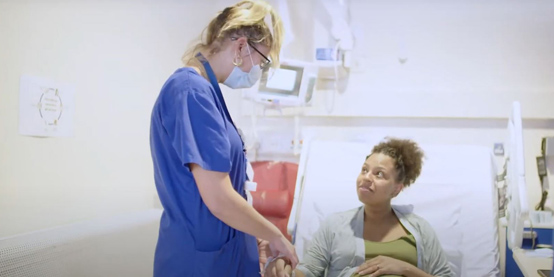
(407, 156)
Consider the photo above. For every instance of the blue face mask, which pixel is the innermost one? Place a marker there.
(240, 79)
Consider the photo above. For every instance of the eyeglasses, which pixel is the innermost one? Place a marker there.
(267, 62)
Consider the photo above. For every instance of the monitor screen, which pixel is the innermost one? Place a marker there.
(284, 81)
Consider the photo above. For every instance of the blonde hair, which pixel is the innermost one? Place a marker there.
(247, 18)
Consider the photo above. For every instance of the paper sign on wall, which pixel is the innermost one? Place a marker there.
(46, 108)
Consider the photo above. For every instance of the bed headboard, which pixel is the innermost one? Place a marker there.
(457, 178)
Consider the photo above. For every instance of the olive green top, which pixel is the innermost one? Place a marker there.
(403, 249)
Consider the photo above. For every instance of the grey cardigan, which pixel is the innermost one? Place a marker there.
(338, 245)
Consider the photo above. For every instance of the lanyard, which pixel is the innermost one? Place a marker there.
(215, 85)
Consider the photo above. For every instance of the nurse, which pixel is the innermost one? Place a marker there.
(207, 227)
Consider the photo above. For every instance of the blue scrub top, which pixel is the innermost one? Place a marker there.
(190, 124)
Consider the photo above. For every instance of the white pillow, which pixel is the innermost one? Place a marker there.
(440, 205)
(328, 190)
(324, 185)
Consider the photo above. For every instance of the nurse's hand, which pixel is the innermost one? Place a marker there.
(281, 246)
(278, 268)
(264, 252)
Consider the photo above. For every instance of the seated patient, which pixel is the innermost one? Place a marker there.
(376, 239)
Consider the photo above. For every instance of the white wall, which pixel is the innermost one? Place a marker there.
(464, 58)
(117, 54)
(467, 62)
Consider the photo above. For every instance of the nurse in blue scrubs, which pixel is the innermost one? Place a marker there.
(207, 227)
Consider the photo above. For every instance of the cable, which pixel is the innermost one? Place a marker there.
(540, 205)
(542, 178)
(336, 87)
(253, 119)
(296, 140)
(532, 236)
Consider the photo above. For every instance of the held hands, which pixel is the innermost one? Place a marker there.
(382, 265)
(278, 268)
(281, 246)
(281, 267)
(264, 252)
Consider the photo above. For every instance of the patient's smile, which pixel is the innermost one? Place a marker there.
(365, 188)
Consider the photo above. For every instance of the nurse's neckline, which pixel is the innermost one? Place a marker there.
(196, 70)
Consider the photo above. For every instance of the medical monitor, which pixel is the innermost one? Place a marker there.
(517, 210)
(291, 84)
(283, 81)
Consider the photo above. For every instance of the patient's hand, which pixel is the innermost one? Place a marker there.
(278, 268)
(382, 265)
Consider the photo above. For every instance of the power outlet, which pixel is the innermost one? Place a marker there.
(276, 144)
(499, 149)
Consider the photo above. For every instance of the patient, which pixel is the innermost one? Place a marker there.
(376, 239)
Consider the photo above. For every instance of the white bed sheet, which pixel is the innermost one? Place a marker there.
(455, 193)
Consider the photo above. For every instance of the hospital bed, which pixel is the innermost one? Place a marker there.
(456, 193)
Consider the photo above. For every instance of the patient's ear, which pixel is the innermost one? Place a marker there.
(399, 188)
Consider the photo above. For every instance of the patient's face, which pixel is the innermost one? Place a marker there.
(377, 182)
